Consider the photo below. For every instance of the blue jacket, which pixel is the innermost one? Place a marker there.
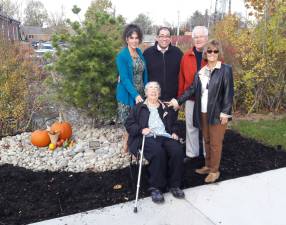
(126, 91)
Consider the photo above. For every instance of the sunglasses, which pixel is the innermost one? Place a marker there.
(209, 51)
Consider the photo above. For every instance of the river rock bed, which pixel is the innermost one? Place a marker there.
(96, 149)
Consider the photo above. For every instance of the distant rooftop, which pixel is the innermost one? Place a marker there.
(5, 17)
(35, 30)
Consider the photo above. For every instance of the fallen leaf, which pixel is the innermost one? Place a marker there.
(117, 186)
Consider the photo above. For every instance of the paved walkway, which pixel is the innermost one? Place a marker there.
(258, 199)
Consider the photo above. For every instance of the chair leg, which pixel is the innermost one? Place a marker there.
(133, 170)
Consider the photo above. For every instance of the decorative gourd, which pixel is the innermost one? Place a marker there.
(64, 128)
(54, 136)
(40, 138)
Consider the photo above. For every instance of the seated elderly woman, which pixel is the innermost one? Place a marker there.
(162, 149)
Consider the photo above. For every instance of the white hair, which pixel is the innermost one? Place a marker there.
(200, 28)
(152, 82)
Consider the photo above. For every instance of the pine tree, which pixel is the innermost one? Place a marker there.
(87, 68)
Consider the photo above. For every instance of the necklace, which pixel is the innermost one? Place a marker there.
(134, 56)
(133, 53)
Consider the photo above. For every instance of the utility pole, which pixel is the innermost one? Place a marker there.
(210, 14)
(220, 9)
(265, 24)
(178, 28)
(215, 12)
(114, 11)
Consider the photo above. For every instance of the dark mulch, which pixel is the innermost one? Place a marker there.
(27, 196)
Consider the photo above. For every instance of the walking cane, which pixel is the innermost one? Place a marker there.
(139, 175)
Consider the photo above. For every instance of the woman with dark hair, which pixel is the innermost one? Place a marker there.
(213, 90)
(132, 72)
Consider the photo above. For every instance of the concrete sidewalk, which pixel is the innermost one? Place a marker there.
(259, 199)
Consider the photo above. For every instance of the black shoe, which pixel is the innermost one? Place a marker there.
(156, 195)
(177, 192)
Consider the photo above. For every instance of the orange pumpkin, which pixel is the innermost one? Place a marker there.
(64, 128)
(40, 138)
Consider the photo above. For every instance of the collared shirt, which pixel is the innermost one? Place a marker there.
(205, 75)
(163, 50)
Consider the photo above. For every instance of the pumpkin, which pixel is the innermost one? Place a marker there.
(40, 138)
(64, 128)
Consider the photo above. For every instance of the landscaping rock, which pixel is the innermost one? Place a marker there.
(96, 149)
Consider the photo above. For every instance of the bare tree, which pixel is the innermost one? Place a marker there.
(11, 8)
(57, 21)
(35, 14)
(144, 22)
(197, 19)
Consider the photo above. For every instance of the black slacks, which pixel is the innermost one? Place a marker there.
(166, 158)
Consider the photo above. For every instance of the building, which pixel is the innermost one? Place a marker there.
(9, 28)
(148, 40)
(36, 34)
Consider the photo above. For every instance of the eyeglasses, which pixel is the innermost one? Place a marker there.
(163, 36)
(209, 51)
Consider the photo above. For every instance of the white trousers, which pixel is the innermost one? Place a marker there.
(192, 133)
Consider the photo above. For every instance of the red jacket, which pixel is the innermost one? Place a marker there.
(188, 69)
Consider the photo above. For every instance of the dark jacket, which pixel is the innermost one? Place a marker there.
(220, 95)
(138, 120)
(164, 68)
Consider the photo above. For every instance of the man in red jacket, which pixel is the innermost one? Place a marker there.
(192, 62)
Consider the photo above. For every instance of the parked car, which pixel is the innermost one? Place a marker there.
(44, 48)
(35, 44)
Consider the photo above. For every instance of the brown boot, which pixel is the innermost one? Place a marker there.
(203, 170)
(125, 145)
(212, 177)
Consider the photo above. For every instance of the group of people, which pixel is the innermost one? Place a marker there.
(153, 85)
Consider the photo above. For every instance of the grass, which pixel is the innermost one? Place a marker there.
(269, 132)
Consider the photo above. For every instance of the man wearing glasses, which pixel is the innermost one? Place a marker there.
(163, 64)
(191, 63)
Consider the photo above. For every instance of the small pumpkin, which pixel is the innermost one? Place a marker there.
(40, 138)
(64, 128)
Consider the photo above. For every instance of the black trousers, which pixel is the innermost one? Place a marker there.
(166, 158)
